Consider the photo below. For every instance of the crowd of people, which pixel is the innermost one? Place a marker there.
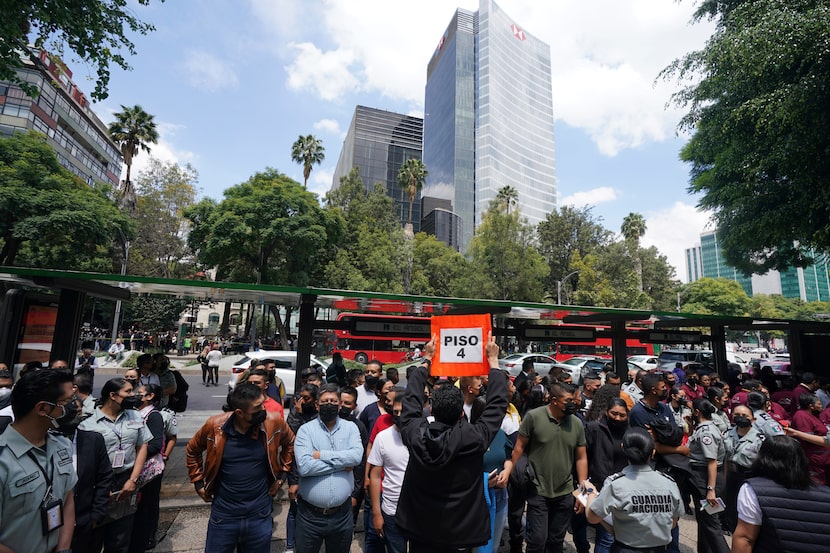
(443, 465)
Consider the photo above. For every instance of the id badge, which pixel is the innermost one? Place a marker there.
(118, 459)
(51, 516)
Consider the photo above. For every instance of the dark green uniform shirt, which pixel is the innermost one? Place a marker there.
(551, 450)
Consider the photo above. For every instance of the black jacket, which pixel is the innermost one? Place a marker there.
(442, 497)
(94, 478)
(605, 453)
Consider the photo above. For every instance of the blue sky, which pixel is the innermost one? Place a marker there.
(233, 83)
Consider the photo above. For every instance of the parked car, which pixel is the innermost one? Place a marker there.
(645, 362)
(513, 363)
(286, 368)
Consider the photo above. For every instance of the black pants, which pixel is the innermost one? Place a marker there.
(205, 373)
(516, 499)
(621, 548)
(420, 547)
(709, 533)
(146, 519)
(735, 477)
(548, 520)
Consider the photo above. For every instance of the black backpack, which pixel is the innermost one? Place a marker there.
(178, 400)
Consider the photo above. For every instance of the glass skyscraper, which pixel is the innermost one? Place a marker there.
(378, 142)
(488, 118)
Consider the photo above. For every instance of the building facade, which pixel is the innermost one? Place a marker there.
(378, 142)
(488, 119)
(807, 284)
(61, 112)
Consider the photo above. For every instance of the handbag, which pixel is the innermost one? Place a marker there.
(153, 468)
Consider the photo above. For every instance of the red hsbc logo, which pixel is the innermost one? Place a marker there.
(517, 31)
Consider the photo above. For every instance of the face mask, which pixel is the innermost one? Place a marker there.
(259, 417)
(371, 382)
(396, 420)
(345, 413)
(617, 427)
(5, 397)
(742, 421)
(309, 409)
(570, 408)
(692, 380)
(328, 412)
(129, 402)
(664, 395)
(67, 428)
(387, 407)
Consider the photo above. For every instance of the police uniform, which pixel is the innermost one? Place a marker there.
(25, 473)
(705, 444)
(721, 420)
(766, 425)
(634, 391)
(643, 504)
(741, 452)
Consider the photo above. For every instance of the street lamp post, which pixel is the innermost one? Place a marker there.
(559, 286)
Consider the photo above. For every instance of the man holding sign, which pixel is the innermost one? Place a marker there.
(442, 506)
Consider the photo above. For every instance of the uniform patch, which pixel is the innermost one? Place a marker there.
(64, 454)
(67, 461)
(706, 440)
(26, 479)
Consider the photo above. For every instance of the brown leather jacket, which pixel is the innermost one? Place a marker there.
(206, 447)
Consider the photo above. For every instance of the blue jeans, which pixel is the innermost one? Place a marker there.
(248, 534)
(604, 539)
(395, 542)
(290, 524)
(372, 542)
(314, 528)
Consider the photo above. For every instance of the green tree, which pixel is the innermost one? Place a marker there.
(595, 289)
(133, 130)
(633, 228)
(506, 262)
(759, 117)
(308, 151)
(411, 177)
(48, 216)
(153, 314)
(164, 191)
(660, 282)
(710, 296)
(439, 270)
(509, 196)
(565, 233)
(95, 31)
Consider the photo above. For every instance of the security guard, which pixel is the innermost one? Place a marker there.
(742, 441)
(644, 504)
(37, 503)
(706, 456)
(764, 422)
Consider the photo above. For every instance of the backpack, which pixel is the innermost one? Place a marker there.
(178, 400)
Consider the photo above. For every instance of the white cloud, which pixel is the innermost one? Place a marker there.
(208, 72)
(165, 150)
(328, 74)
(319, 181)
(674, 229)
(328, 125)
(590, 197)
(284, 16)
(604, 69)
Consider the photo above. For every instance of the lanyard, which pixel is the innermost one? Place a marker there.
(46, 476)
(119, 435)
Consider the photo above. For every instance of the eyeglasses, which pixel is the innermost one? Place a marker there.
(63, 402)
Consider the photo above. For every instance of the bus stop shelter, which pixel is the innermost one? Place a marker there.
(64, 292)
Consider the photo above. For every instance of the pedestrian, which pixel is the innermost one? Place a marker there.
(780, 509)
(126, 437)
(238, 461)
(327, 450)
(366, 392)
(37, 501)
(147, 514)
(303, 411)
(442, 507)
(764, 422)
(555, 441)
(707, 453)
(87, 362)
(167, 380)
(806, 420)
(643, 504)
(336, 372)
(742, 442)
(213, 358)
(145, 371)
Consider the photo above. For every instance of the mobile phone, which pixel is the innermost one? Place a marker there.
(493, 473)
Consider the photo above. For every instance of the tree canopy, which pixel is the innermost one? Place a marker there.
(759, 152)
(133, 130)
(711, 296)
(48, 216)
(308, 151)
(94, 30)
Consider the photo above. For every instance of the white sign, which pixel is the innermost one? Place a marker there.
(460, 345)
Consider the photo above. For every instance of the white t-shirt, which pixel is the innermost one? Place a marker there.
(749, 510)
(364, 399)
(214, 357)
(389, 452)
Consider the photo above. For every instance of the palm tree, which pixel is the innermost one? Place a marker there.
(509, 196)
(308, 150)
(133, 130)
(633, 228)
(411, 177)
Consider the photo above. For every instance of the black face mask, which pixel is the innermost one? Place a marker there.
(692, 380)
(664, 395)
(387, 407)
(345, 413)
(371, 382)
(617, 427)
(570, 408)
(129, 402)
(328, 412)
(309, 409)
(396, 420)
(68, 428)
(259, 417)
(742, 421)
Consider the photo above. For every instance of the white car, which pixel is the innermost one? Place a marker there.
(513, 363)
(286, 368)
(645, 362)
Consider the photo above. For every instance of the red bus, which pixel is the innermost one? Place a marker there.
(387, 338)
(600, 347)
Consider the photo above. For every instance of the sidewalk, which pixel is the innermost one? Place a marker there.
(184, 516)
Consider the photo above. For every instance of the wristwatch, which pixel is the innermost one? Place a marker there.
(427, 362)
(710, 488)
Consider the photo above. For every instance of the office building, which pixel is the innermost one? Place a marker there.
(807, 284)
(378, 142)
(61, 112)
(488, 118)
